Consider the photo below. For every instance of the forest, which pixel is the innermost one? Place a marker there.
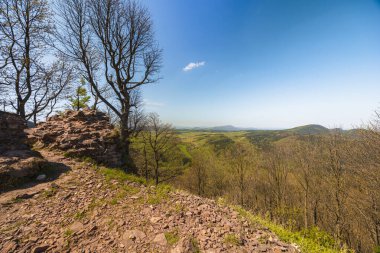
(321, 183)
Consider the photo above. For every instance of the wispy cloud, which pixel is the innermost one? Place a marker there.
(194, 65)
(149, 103)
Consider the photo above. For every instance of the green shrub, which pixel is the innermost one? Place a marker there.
(120, 175)
(160, 193)
(232, 239)
(311, 241)
(50, 192)
(194, 245)
(68, 233)
(80, 215)
(172, 237)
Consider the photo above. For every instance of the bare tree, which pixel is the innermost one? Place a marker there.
(368, 167)
(337, 170)
(31, 86)
(278, 170)
(200, 165)
(242, 164)
(307, 173)
(159, 139)
(113, 43)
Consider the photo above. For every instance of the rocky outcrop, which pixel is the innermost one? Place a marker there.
(12, 135)
(18, 163)
(84, 212)
(86, 133)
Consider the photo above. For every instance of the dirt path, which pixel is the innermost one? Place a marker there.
(83, 211)
(31, 189)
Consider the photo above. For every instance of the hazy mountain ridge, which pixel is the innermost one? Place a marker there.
(221, 136)
(305, 129)
(223, 128)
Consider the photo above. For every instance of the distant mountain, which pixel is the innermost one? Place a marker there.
(226, 128)
(300, 130)
(221, 136)
(264, 138)
(309, 129)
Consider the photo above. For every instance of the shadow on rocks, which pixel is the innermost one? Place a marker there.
(46, 172)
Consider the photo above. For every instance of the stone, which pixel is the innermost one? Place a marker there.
(40, 249)
(160, 239)
(9, 246)
(155, 219)
(134, 234)
(41, 177)
(76, 226)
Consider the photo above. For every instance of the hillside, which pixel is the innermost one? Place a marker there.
(309, 129)
(104, 210)
(261, 138)
(225, 128)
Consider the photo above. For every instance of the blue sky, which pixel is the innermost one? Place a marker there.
(266, 63)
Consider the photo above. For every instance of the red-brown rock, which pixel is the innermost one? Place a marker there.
(86, 133)
(18, 163)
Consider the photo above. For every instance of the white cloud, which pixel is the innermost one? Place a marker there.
(149, 103)
(194, 65)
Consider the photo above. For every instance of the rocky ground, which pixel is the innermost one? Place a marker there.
(18, 163)
(92, 210)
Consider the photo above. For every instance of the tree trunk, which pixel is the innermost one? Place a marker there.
(146, 164)
(315, 213)
(78, 101)
(21, 109)
(96, 101)
(306, 208)
(127, 162)
(156, 174)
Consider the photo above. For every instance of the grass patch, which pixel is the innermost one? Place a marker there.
(172, 237)
(194, 245)
(232, 239)
(120, 175)
(160, 193)
(311, 241)
(110, 173)
(178, 208)
(68, 233)
(80, 215)
(87, 159)
(95, 203)
(114, 201)
(50, 192)
(17, 200)
(127, 189)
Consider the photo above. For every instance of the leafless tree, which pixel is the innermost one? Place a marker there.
(368, 168)
(242, 163)
(31, 86)
(159, 139)
(308, 175)
(113, 44)
(200, 165)
(337, 172)
(278, 170)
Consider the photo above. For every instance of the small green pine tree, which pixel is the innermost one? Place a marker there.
(80, 99)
